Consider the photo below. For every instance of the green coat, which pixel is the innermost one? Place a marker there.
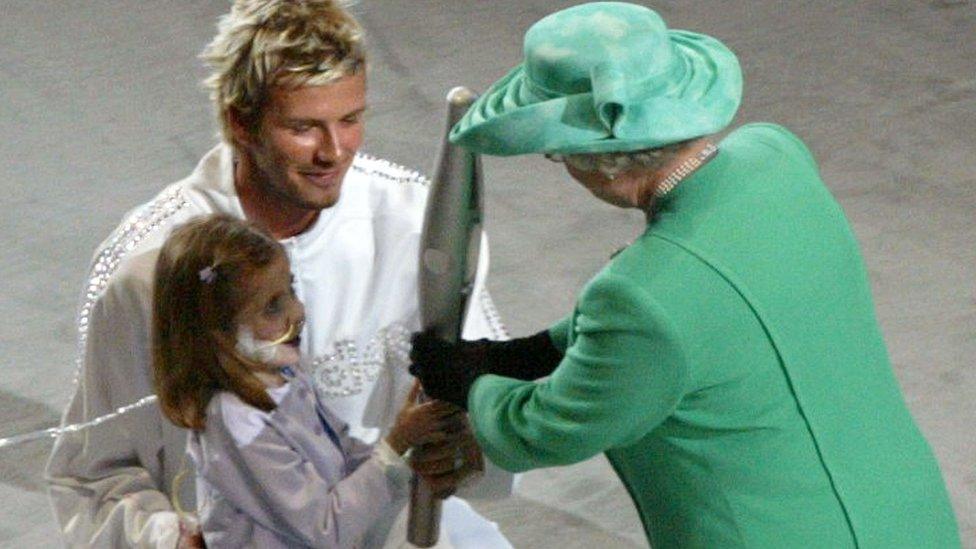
(730, 365)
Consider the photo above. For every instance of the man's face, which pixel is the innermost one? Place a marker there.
(306, 140)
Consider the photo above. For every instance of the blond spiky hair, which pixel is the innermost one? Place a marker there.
(266, 43)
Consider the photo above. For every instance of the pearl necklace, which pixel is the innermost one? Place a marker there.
(676, 176)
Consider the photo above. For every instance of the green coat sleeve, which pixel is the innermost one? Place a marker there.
(624, 372)
(559, 333)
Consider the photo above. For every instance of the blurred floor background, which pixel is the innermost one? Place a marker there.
(100, 106)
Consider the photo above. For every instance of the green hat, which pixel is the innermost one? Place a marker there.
(605, 77)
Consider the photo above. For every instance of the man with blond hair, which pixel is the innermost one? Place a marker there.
(289, 88)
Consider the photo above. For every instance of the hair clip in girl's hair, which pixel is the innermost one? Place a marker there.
(208, 274)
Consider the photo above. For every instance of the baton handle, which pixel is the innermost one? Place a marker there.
(448, 260)
(423, 523)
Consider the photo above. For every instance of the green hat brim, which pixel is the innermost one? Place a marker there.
(513, 117)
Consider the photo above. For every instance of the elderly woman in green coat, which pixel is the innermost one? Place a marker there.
(728, 362)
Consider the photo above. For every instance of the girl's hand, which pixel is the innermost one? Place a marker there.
(444, 466)
(424, 423)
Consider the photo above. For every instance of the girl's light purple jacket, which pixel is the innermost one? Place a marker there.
(279, 479)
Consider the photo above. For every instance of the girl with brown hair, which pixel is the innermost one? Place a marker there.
(274, 466)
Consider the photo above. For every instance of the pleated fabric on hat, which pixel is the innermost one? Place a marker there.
(605, 77)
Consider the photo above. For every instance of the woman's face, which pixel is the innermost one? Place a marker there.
(272, 308)
(624, 190)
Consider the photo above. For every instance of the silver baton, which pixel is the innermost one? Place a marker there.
(449, 248)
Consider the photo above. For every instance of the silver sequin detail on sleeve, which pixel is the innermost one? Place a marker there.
(128, 235)
(139, 225)
(495, 324)
(386, 170)
(53, 432)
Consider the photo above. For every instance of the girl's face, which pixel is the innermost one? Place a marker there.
(272, 308)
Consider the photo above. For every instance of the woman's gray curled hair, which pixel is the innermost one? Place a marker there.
(613, 164)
